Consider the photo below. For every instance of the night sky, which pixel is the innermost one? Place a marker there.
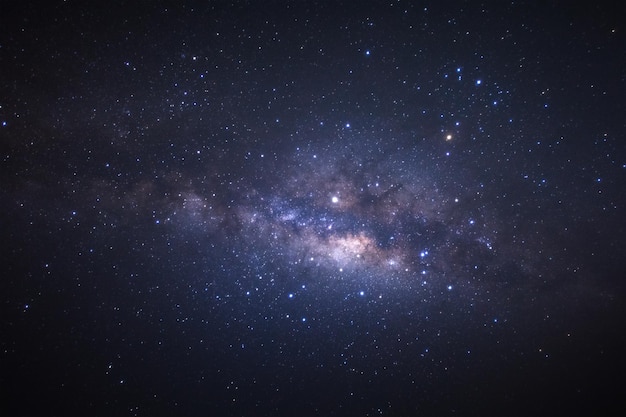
(268, 208)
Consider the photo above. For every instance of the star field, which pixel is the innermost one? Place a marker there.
(312, 208)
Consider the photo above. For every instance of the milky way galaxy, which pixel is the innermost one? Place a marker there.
(312, 208)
